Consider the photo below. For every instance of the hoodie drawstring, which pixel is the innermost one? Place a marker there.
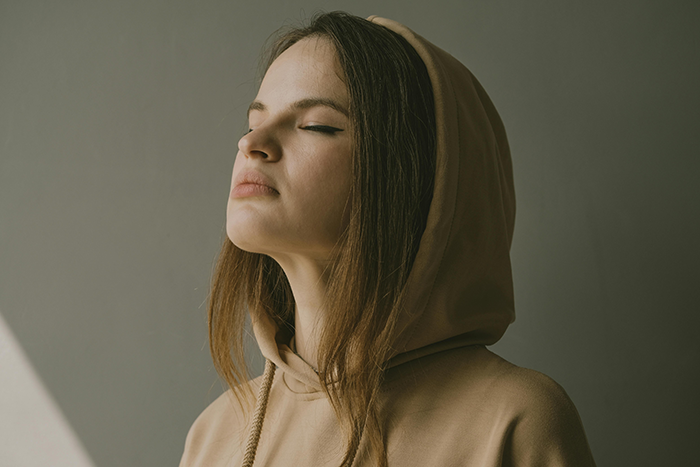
(259, 415)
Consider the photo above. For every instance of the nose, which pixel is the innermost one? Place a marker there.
(259, 143)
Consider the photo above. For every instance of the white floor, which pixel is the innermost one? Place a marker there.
(33, 431)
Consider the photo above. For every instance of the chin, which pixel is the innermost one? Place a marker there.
(242, 239)
(246, 230)
(250, 248)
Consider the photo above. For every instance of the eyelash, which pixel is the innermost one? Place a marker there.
(322, 129)
(318, 128)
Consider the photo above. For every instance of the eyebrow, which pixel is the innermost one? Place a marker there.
(304, 104)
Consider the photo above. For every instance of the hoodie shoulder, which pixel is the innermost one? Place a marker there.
(494, 412)
(217, 433)
(546, 429)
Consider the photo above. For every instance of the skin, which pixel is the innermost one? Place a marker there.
(309, 165)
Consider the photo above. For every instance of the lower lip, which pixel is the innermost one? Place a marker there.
(245, 190)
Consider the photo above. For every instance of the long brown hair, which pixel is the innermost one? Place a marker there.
(393, 120)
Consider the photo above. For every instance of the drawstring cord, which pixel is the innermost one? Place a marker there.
(259, 416)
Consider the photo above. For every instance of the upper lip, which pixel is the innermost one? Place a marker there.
(254, 177)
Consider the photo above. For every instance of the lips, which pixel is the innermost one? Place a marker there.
(254, 178)
(252, 183)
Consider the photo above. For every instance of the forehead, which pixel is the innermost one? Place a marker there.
(309, 68)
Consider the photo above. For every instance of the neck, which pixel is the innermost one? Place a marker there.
(308, 279)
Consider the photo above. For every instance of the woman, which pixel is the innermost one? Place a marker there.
(369, 227)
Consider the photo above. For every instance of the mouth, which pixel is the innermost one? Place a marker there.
(253, 177)
(245, 190)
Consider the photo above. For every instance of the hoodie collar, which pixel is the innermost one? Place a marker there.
(276, 346)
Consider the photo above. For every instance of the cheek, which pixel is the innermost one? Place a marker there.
(325, 184)
(327, 170)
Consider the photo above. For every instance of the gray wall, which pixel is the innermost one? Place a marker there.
(118, 130)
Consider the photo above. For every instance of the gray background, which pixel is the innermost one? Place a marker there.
(118, 130)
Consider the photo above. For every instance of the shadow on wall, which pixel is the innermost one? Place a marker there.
(33, 431)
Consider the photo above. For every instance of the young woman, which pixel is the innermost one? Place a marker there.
(369, 227)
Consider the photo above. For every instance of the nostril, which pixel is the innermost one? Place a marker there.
(258, 146)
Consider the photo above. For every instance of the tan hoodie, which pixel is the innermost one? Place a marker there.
(447, 399)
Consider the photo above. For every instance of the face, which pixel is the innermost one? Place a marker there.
(299, 145)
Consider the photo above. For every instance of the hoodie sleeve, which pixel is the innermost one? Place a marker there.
(548, 431)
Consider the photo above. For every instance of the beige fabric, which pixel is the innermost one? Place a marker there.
(461, 280)
(447, 400)
(461, 407)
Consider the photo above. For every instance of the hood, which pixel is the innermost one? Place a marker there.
(460, 289)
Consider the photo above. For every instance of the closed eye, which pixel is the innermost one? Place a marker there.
(322, 129)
